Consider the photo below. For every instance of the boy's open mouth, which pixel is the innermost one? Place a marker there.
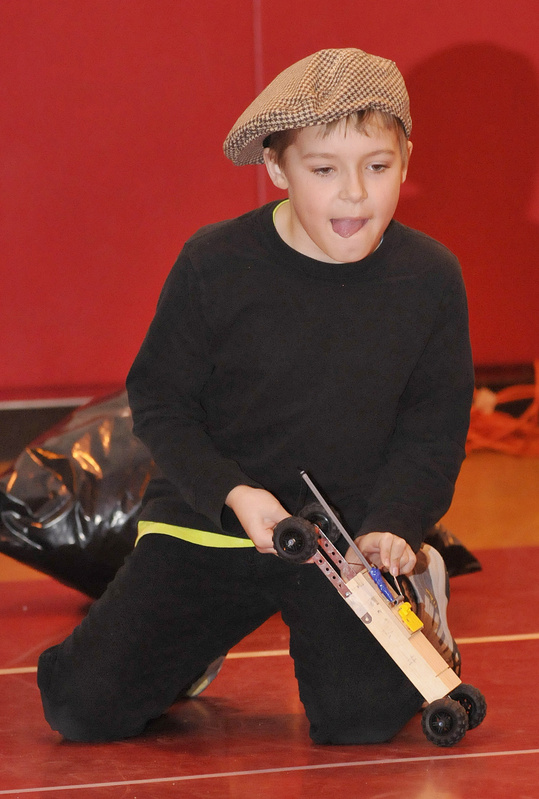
(347, 227)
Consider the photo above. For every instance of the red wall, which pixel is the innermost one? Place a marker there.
(113, 116)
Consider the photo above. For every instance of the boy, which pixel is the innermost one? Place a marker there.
(316, 333)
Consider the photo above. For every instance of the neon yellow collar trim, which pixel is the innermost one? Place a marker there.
(277, 208)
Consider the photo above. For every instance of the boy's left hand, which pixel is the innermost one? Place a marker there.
(258, 512)
(385, 550)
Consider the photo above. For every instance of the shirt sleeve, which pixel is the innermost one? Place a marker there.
(165, 385)
(424, 455)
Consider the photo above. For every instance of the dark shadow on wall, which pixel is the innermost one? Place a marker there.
(475, 110)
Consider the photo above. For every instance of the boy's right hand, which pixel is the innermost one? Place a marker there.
(258, 512)
(386, 551)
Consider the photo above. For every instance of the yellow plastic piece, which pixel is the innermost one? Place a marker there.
(408, 616)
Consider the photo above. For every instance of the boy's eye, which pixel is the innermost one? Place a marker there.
(378, 167)
(323, 170)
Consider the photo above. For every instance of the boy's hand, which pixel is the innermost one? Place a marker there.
(258, 512)
(385, 550)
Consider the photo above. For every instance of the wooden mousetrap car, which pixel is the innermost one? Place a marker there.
(452, 707)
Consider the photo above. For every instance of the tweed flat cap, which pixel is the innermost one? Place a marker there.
(318, 89)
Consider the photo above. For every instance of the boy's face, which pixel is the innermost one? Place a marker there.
(343, 189)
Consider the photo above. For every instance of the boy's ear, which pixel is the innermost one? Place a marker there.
(277, 176)
(410, 147)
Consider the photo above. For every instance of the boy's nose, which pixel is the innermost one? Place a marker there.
(353, 187)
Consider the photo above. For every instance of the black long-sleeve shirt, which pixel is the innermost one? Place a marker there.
(261, 361)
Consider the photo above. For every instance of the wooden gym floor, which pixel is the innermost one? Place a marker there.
(246, 736)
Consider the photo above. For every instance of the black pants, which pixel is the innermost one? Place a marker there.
(174, 607)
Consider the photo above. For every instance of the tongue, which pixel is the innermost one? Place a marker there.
(347, 227)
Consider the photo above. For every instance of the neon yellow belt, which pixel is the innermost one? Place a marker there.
(201, 537)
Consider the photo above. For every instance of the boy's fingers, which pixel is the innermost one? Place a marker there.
(398, 556)
(394, 553)
(391, 550)
(408, 566)
(386, 551)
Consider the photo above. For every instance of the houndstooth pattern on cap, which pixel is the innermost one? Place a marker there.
(318, 89)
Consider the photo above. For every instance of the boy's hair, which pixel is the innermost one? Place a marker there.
(319, 90)
(361, 121)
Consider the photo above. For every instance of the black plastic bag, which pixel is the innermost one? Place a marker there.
(458, 559)
(69, 504)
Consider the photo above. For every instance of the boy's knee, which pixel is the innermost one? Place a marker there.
(359, 719)
(76, 723)
(339, 732)
(76, 711)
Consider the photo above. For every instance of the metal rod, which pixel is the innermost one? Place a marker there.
(335, 520)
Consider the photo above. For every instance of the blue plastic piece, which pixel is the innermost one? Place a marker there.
(376, 575)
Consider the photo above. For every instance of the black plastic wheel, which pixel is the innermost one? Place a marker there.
(444, 722)
(473, 702)
(316, 514)
(295, 539)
